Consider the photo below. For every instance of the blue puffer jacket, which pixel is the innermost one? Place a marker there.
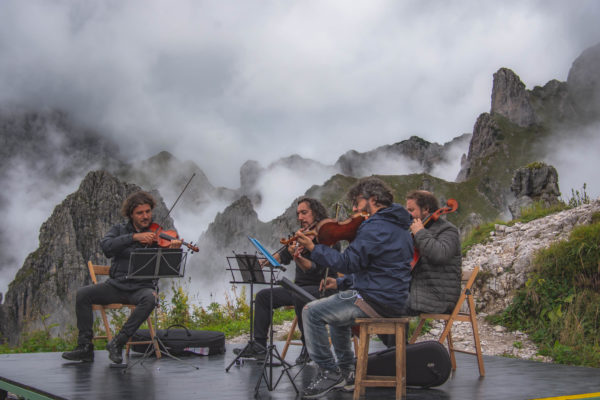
(377, 262)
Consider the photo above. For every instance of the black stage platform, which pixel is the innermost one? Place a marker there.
(47, 375)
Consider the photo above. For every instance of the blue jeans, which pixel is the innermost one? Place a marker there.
(339, 312)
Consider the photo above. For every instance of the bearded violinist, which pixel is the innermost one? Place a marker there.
(376, 265)
(435, 285)
(118, 244)
(309, 275)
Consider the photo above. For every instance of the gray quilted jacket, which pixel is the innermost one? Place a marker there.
(435, 285)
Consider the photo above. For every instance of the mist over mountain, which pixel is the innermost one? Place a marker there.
(45, 157)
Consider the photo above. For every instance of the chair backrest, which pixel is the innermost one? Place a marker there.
(467, 280)
(97, 270)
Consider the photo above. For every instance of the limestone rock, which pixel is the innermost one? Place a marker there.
(511, 99)
(537, 182)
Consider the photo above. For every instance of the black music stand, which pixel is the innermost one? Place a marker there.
(250, 272)
(156, 263)
(272, 352)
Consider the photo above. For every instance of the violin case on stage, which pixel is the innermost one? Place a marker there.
(180, 341)
(427, 363)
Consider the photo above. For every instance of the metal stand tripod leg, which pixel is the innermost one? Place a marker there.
(250, 343)
(273, 353)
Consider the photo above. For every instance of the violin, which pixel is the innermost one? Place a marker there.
(164, 237)
(450, 207)
(329, 231)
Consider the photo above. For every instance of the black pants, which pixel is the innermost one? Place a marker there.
(105, 293)
(281, 297)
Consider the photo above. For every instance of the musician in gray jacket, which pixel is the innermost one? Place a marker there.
(435, 284)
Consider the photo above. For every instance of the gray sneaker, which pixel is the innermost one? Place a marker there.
(323, 383)
(349, 378)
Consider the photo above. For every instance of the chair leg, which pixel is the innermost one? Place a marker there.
(451, 351)
(400, 362)
(361, 365)
(417, 331)
(106, 325)
(473, 318)
(289, 338)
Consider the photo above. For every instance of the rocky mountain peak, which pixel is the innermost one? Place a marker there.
(584, 83)
(511, 99)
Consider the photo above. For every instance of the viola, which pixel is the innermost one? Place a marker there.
(164, 237)
(330, 231)
(450, 207)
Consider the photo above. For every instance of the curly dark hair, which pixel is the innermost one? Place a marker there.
(425, 200)
(136, 199)
(318, 209)
(372, 187)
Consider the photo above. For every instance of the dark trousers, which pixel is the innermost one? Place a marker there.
(105, 293)
(281, 297)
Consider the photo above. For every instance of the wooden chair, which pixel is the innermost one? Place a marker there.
(457, 315)
(290, 335)
(103, 270)
(373, 326)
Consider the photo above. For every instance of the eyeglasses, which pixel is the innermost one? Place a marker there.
(357, 200)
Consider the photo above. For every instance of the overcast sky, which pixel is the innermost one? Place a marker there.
(219, 82)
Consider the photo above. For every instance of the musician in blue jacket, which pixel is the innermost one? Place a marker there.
(376, 265)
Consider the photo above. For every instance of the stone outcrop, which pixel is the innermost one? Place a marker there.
(506, 258)
(536, 182)
(43, 291)
(511, 99)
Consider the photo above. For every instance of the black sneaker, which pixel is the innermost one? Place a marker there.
(303, 358)
(83, 352)
(323, 383)
(253, 350)
(115, 348)
(349, 375)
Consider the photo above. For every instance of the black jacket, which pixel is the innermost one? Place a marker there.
(118, 244)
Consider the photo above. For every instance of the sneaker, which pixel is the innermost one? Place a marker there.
(349, 375)
(83, 352)
(252, 350)
(303, 358)
(323, 383)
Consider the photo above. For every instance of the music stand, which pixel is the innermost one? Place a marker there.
(156, 263)
(272, 351)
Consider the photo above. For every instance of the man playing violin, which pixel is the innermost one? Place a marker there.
(376, 265)
(435, 285)
(309, 275)
(118, 244)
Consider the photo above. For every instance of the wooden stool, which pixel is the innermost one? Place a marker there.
(373, 326)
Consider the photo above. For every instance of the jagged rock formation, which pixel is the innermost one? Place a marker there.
(510, 99)
(584, 83)
(48, 281)
(536, 182)
(506, 258)
(521, 122)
